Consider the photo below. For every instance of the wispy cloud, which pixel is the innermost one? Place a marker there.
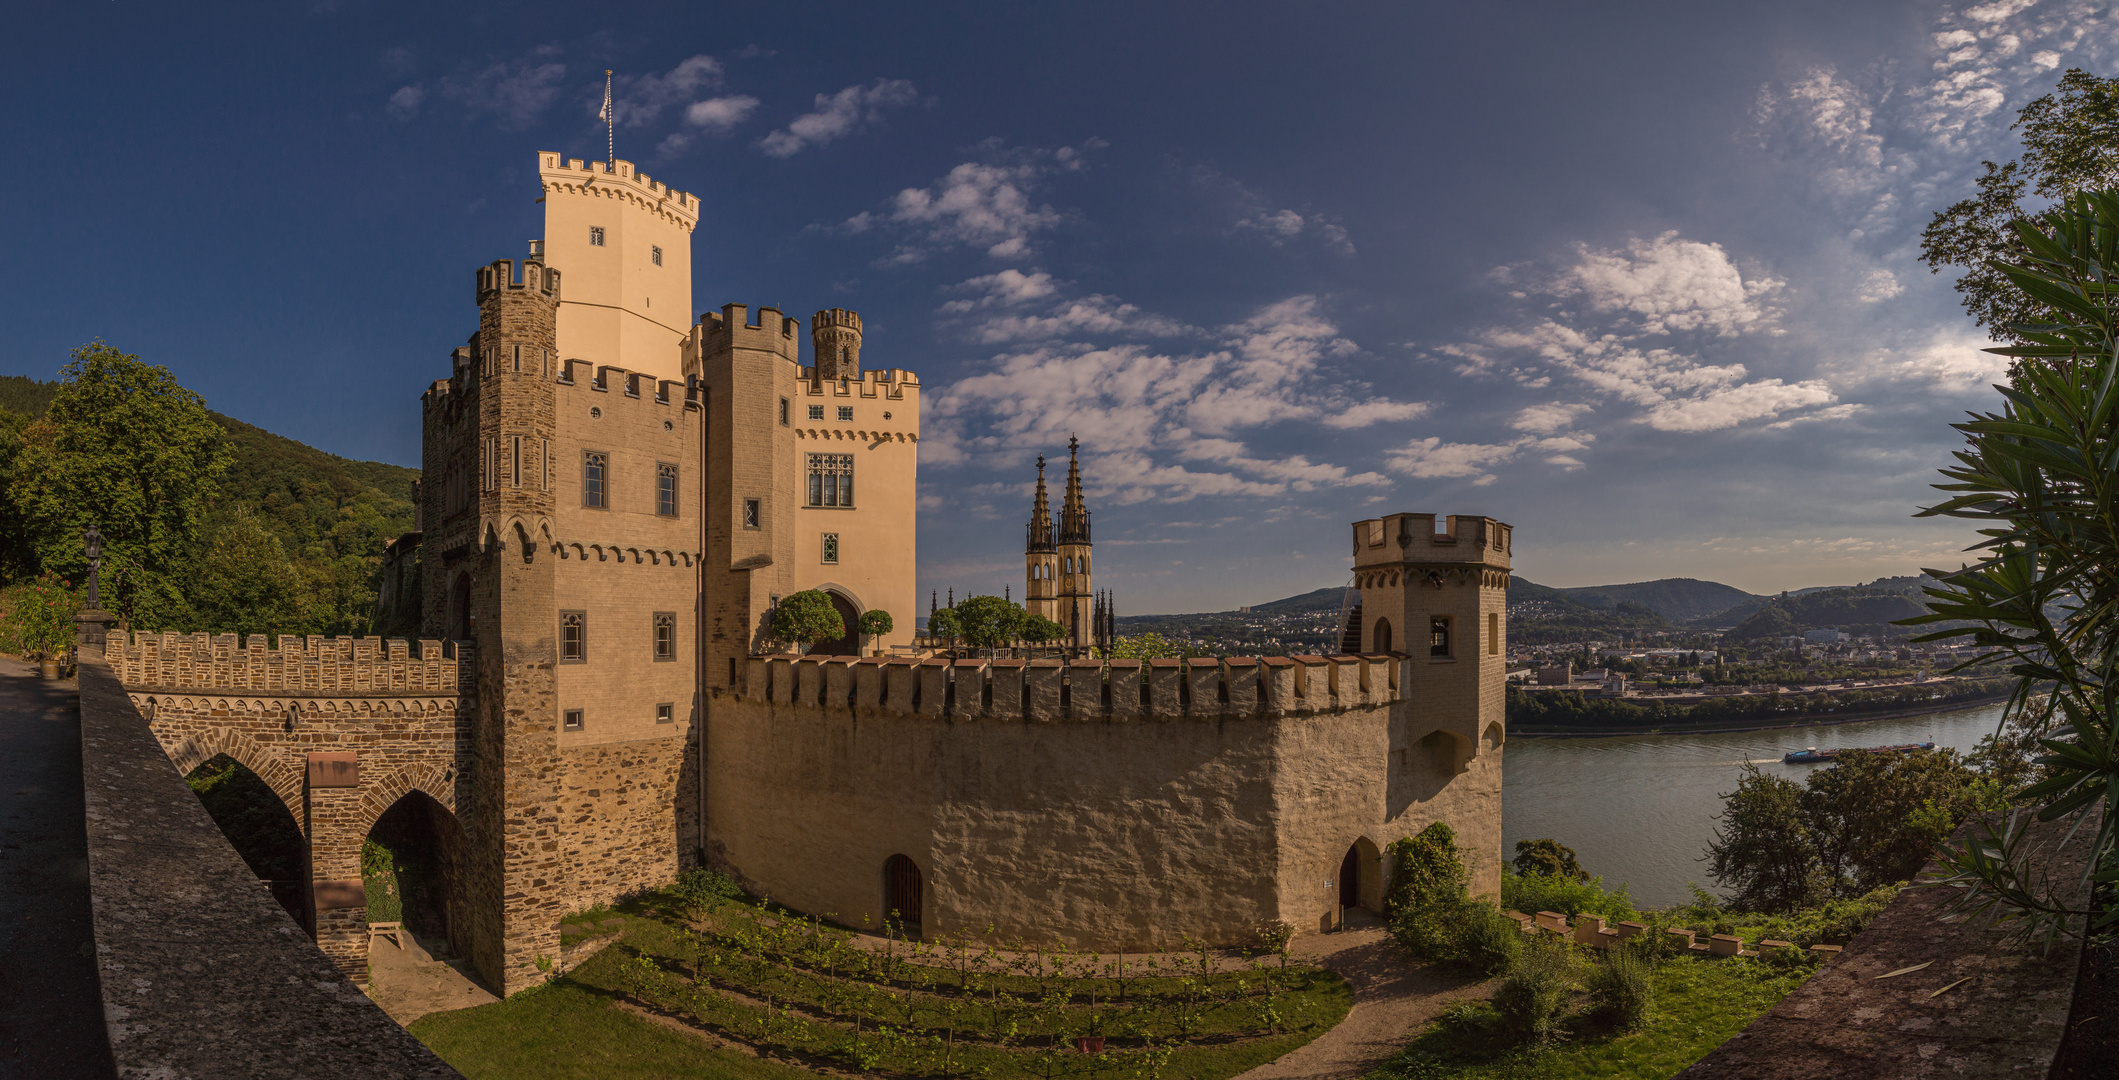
(838, 115)
(989, 204)
(515, 92)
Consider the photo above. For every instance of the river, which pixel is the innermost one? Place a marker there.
(1639, 809)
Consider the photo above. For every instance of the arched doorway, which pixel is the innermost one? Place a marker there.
(260, 828)
(409, 866)
(1350, 878)
(904, 894)
(1383, 636)
(850, 645)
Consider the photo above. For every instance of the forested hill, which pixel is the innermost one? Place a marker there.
(331, 517)
(1863, 609)
(1676, 599)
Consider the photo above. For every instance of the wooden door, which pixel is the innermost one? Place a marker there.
(903, 893)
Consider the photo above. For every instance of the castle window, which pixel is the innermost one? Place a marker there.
(515, 461)
(1493, 633)
(816, 412)
(665, 713)
(750, 513)
(573, 637)
(783, 412)
(665, 635)
(831, 549)
(572, 721)
(846, 414)
(595, 236)
(518, 359)
(831, 480)
(654, 255)
(666, 489)
(595, 479)
(1438, 636)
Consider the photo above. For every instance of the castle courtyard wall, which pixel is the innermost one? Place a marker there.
(1113, 825)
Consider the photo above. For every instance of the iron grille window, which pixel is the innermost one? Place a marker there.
(595, 479)
(665, 713)
(831, 479)
(816, 412)
(654, 255)
(1438, 636)
(666, 489)
(846, 414)
(573, 637)
(665, 635)
(573, 720)
(750, 513)
(831, 549)
(595, 236)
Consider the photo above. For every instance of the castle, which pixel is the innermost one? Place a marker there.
(616, 495)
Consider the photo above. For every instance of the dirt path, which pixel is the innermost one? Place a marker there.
(409, 983)
(1393, 1000)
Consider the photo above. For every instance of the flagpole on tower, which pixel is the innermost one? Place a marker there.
(610, 123)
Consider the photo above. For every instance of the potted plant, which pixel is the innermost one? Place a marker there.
(875, 623)
(39, 623)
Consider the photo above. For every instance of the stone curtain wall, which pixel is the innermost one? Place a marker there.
(620, 805)
(203, 974)
(1055, 803)
(270, 709)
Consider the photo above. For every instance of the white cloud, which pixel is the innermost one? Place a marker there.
(1878, 284)
(1546, 419)
(404, 104)
(1952, 361)
(840, 114)
(1007, 288)
(1281, 226)
(1094, 314)
(720, 113)
(1433, 459)
(1163, 425)
(979, 203)
(517, 91)
(641, 99)
(1836, 412)
(1672, 284)
(1732, 405)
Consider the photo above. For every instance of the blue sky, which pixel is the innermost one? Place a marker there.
(1640, 279)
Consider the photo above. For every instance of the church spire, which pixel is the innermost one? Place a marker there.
(1074, 516)
(1040, 532)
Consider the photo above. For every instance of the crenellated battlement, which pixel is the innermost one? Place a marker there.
(1400, 538)
(731, 328)
(334, 666)
(535, 277)
(580, 375)
(839, 317)
(882, 382)
(1053, 691)
(616, 179)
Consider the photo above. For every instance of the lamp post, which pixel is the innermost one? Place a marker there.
(92, 623)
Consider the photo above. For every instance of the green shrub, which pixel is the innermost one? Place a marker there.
(1426, 871)
(1532, 893)
(1469, 934)
(1619, 989)
(1531, 997)
(700, 888)
(1548, 857)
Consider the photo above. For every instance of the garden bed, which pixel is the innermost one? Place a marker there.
(747, 988)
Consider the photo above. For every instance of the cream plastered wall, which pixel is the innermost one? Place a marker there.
(620, 307)
(1102, 833)
(623, 565)
(878, 556)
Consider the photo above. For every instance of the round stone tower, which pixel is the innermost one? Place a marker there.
(835, 334)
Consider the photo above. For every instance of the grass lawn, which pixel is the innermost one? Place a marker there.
(799, 992)
(566, 1031)
(1699, 1003)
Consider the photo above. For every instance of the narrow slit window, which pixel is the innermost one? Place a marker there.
(1493, 633)
(595, 236)
(515, 461)
(665, 635)
(573, 637)
(750, 513)
(595, 479)
(666, 489)
(654, 255)
(783, 412)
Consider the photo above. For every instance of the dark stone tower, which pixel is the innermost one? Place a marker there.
(835, 335)
(1076, 597)
(1041, 556)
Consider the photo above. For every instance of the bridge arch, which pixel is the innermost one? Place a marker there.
(276, 770)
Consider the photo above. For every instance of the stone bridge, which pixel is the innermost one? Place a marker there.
(341, 729)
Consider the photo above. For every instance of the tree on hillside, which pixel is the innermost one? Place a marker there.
(124, 447)
(2037, 476)
(245, 583)
(2070, 145)
(807, 618)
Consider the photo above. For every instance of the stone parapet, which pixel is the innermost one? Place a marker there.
(203, 973)
(336, 667)
(1049, 690)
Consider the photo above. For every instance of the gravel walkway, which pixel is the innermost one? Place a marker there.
(1393, 1000)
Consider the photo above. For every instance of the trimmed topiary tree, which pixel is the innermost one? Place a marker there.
(807, 618)
(876, 622)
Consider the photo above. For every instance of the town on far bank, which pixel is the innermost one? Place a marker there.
(1644, 656)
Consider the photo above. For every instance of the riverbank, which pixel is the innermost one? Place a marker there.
(1795, 721)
